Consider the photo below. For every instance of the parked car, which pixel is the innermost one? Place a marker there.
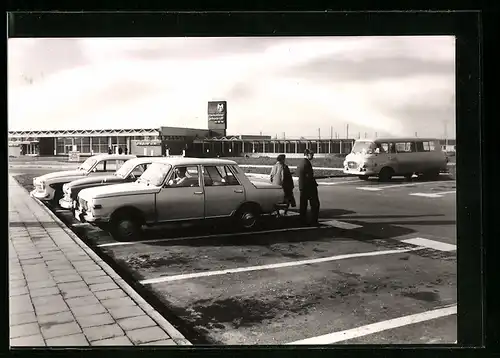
(48, 187)
(178, 189)
(130, 171)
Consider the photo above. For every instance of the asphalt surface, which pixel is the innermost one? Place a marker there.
(377, 295)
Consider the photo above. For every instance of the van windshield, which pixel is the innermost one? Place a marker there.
(362, 147)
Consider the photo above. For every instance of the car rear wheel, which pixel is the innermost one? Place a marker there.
(386, 174)
(248, 217)
(125, 228)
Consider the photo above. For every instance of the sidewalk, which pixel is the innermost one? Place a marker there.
(62, 294)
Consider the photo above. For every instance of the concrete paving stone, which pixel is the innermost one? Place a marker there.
(131, 323)
(16, 276)
(31, 261)
(48, 320)
(100, 319)
(60, 330)
(124, 312)
(98, 279)
(59, 265)
(20, 304)
(29, 341)
(68, 278)
(17, 283)
(22, 318)
(67, 287)
(82, 311)
(96, 273)
(53, 255)
(87, 267)
(116, 341)
(118, 302)
(41, 284)
(102, 332)
(46, 291)
(18, 291)
(82, 301)
(48, 300)
(77, 292)
(41, 276)
(103, 286)
(65, 272)
(106, 295)
(51, 308)
(163, 342)
(149, 334)
(77, 258)
(74, 340)
(23, 330)
(35, 268)
(28, 255)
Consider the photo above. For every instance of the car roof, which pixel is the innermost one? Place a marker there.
(396, 139)
(195, 161)
(141, 160)
(114, 156)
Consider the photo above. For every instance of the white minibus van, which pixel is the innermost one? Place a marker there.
(388, 157)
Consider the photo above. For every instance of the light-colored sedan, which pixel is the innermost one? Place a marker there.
(178, 189)
(128, 172)
(48, 187)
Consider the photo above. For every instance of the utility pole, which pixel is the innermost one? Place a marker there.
(376, 135)
(416, 134)
(445, 133)
(284, 137)
(365, 135)
(319, 133)
(347, 131)
(331, 132)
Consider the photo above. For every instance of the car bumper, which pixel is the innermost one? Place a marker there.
(357, 171)
(67, 204)
(40, 195)
(85, 216)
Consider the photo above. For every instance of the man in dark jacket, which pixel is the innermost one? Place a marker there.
(308, 188)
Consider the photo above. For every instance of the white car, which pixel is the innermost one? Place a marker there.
(48, 187)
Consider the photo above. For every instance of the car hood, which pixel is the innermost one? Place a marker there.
(62, 174)
(94, 180)
(118, 190)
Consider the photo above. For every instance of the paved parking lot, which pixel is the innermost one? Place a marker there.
(380, 269)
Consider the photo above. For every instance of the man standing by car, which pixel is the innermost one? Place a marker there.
(308, 188)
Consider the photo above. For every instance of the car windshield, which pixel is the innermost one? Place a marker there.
(155, 174)
(126, 168)
(86, 165)
(363, 147)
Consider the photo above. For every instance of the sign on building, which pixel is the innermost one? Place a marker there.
(217, 115)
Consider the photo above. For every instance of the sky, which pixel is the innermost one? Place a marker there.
(285, 86)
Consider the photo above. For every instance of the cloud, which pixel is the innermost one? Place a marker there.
(273, 85)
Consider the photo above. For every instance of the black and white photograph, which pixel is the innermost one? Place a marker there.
(276, 190)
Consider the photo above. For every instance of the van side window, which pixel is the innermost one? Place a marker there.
(428, 146)
(432, 145)
(405, 147)
(383, 147)
(392, 148)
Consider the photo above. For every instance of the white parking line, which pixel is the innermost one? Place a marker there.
(214, 236)
(273, 266)
(377, 188)
(340, 182)
(341, 224)
(379, 326)
(431, 244)
(434, 195)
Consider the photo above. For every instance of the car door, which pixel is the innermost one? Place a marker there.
(181, 199)
(223, 191)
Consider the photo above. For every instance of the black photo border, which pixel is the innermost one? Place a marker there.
(464, 25)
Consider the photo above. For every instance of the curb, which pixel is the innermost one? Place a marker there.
(178, 338)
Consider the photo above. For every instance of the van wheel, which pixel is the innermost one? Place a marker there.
(125, 228)
(363, 177)
(248, 217)
(386, 174)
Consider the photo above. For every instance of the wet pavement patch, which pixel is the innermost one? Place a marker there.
(146, 261)
(426, 296)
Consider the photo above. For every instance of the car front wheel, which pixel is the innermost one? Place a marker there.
(125, 228)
